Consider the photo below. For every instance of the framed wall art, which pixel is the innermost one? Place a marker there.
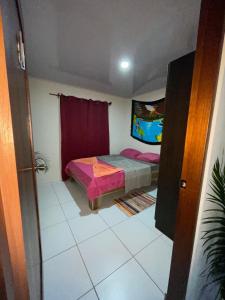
(147, 121)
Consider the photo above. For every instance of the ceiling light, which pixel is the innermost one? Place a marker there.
(125, 65)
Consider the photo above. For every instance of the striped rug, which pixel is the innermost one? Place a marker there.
(134, 202)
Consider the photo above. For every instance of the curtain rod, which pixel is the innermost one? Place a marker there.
(60, 94)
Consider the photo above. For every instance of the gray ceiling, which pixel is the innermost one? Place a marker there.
(80, 42)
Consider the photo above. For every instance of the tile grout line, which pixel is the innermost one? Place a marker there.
(47, 227)
(148, 226)
(44, 261)
(43, 229)
(83, 241)
(129, 218)
(76, 245)
(152, 241)
(84, 265)
(110, 228)
(114, 224)
(57, 198)
(67, 221)
(61, 204)
(133, 257)
(123, 264)
(149, 276)
(87, 272)
(127, 261)
(143, 223)
(80, 298)
(48, 206)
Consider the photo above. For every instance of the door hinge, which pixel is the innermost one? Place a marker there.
(20, 51)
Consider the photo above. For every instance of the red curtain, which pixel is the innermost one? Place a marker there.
(84, 129)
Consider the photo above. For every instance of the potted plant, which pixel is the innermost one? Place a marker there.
(214, 236)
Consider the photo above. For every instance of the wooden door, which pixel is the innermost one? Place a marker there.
(178, 91)
(205, 76)
(22, 133)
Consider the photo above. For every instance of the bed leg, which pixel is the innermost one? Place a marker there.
(94, 204)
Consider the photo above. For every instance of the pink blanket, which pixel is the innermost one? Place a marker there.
(96, 176)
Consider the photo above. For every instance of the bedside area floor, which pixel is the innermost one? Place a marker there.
(101, 254)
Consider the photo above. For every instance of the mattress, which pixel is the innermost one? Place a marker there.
(128, 174)
(95, 186)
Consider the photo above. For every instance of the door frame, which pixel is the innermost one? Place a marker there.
(204, 84)
(206, 70)
(12, 254)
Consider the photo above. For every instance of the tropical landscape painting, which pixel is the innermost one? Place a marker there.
(147, 121)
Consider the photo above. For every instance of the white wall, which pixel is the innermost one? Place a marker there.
(215, 150)
(46, 120)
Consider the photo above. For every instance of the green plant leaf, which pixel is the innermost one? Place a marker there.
(214, 237)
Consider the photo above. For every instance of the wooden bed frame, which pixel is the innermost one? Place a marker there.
(96, 203)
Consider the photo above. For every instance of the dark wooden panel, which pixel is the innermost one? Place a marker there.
(12, 253)
(178, 92)
(22, 132)
(17, 88)
(205, 77)
(29, 217)
(31, 233)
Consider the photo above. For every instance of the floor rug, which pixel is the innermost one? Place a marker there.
(135, 202)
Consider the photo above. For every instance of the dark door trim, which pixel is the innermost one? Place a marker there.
(35, 183)
(12, 253)
(204, 84)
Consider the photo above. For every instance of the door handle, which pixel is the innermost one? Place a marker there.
(36, 168)
(25, 169)
(41, 168)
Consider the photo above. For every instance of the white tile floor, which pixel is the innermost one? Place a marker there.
(99, 255)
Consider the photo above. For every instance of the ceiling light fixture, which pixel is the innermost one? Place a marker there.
(124, 64)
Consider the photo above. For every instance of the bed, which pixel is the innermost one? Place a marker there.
(110, 173)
